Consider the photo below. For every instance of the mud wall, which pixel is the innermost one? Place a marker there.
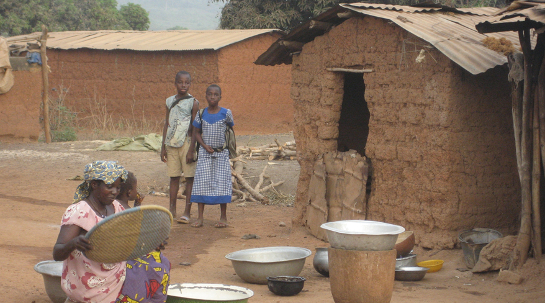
(439, 138)
(259, 96)
(131, 86)
(128, 86)
(20, 107)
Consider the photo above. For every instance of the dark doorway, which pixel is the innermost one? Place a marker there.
(354, 122)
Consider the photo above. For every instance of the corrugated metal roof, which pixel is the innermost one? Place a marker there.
(179, 40)
(518, 15)
(451, 31)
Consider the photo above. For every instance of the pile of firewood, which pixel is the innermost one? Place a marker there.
(242, 190)
(270, 152)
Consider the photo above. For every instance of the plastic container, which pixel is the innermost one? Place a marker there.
(433, 265)
(473, 241)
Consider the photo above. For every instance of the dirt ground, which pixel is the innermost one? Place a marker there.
(35, 191)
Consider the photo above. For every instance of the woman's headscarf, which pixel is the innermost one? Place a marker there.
(107, 171)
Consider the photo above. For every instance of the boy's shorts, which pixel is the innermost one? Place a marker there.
(176, 163)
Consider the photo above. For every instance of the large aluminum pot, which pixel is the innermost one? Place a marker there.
(256, 264)
(362, 235)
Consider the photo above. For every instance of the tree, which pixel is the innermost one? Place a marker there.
(176, 28)
(19, 17)
(136, 16)
(288, 14)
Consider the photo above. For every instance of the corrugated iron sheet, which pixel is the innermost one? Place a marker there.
(518, 15)
(180, 40)
(452, 31)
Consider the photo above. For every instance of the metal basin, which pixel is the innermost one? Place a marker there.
(362, 234)
(409, 260)
(207, 293)
(413, 273)
(256, 264)
(51, 272)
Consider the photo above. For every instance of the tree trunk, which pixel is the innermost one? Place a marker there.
(520, 253)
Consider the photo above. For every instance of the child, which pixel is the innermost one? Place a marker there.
(213, 176)
(84, 280)
(128, 192)
(177, 147)
(147, 277)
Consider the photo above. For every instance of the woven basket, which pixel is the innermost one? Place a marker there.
(129, 234)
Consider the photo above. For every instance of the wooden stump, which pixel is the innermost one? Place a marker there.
(361, 276)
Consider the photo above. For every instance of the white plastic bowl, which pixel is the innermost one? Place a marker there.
(256, 264)
(362, 234)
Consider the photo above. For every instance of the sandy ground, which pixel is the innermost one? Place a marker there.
(34, 192)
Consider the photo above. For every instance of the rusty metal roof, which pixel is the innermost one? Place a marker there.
(176, 40)
(517, 16)
(452, 31)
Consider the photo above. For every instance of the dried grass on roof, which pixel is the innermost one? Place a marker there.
(501, 45)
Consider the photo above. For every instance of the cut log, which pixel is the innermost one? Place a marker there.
(246, 185)
(260, 181)
(272, 185)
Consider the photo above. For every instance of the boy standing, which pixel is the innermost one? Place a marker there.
(178, 146)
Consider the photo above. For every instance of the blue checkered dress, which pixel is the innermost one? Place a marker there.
(212, 183)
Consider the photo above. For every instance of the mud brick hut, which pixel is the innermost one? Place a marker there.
(402, 115)
(125, 76)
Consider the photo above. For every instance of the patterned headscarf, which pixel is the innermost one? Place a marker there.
(107, 171)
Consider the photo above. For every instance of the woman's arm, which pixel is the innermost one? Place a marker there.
(70, 237)
(165, 127)
(198, 136)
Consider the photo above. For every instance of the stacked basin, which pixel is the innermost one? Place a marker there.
(362, 260)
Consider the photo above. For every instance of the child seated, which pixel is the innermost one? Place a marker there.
(129, 192)
(147, 278)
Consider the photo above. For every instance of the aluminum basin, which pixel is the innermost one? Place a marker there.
(256, 264)
(362, 235)
(207, 293)
(51, 272)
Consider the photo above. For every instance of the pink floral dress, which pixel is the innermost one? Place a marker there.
(84, 280)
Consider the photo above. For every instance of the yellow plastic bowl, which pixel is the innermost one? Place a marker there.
(433, 265)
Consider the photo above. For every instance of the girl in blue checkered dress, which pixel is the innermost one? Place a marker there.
(212, 183)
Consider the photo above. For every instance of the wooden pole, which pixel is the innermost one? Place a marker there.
(516, 99)
(536, 179)
(45, 71)
(520, 253)
(540, 98)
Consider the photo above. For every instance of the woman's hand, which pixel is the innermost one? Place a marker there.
(208, 148)
(71, 237)
(81, 243)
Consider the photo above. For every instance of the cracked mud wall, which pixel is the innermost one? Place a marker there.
(440, 139)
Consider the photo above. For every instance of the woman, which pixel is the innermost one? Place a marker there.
(84, 280)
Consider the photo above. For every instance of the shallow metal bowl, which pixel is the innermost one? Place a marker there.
(256, 264)
(286, 285)
(412, 273)
(362, 234)
(207, 293)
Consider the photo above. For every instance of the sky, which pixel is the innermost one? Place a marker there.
(191, 14)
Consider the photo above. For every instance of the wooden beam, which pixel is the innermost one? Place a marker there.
(346, 15)
(45, 78)
(349, 70)
(292, 45)
(320, 25)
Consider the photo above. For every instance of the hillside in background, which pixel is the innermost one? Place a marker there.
(191, 14)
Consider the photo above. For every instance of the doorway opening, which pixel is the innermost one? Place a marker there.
(354, 122)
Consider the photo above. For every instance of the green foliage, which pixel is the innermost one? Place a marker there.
(177, 28)
(136, 16)
(61, 119)
(288, 14)
(19, 17)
